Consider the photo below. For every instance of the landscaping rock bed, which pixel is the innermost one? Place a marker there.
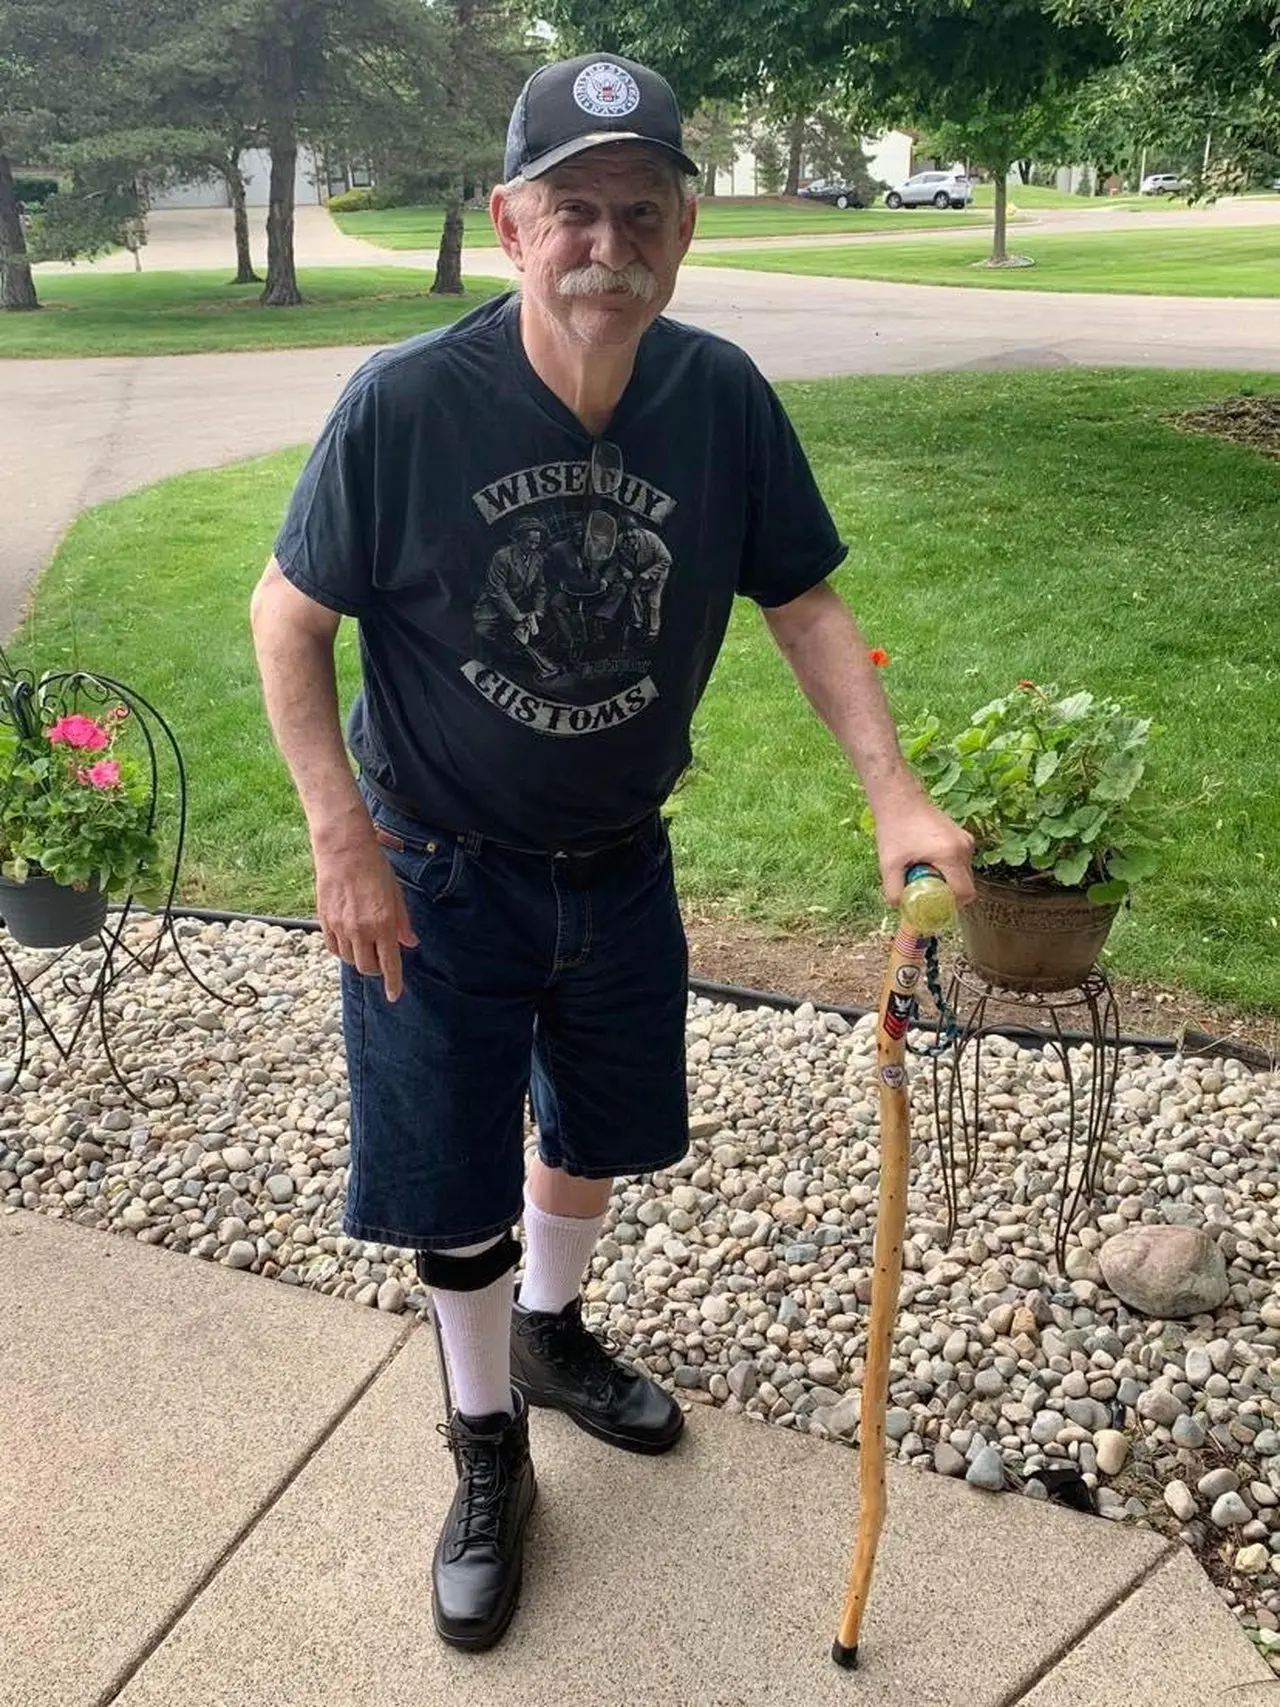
(741, 1277)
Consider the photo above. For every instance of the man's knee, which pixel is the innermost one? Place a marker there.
(472, 1267)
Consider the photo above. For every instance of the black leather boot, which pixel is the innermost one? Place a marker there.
(479, 1557)
(556, 1362)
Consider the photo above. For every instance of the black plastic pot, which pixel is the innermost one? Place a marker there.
(43, 914)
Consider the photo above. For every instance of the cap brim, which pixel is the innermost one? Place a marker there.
(603, 139)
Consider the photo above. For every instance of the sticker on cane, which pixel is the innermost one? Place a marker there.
(907, 943)
(897, 1015)
(907, 977)
(894, 1075)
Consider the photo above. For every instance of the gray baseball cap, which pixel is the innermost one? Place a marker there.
(598, 98)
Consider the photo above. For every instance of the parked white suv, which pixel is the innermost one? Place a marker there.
(1163, 184)
(932, 189)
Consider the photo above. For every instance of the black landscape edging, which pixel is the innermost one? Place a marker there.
(1191, 1043)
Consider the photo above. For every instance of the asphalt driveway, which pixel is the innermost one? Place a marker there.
(73, 433)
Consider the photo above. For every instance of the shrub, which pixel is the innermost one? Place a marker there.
(34, 192)
(406, 186)
(96, 214)
(352, 201)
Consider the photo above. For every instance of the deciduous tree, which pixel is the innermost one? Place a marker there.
(429, 100)
(52, 85)
(1199, 79)
(982, 66)
(712, 134)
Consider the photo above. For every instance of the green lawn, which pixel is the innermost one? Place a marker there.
(414, 227)
(1034, 198)
(166, 314)
(792, 219)
(1028, 196)
(1244, 262)
(419, 227)
(1002, 526)
(1031, 197)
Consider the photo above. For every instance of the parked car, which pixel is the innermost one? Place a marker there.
(932, 189)
(1163, 184)
(834, 193)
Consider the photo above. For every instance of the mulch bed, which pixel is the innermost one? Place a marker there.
(1250, 421)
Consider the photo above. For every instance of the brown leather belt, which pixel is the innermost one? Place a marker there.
(389, 839)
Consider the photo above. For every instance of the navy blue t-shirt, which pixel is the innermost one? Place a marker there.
(539, 610)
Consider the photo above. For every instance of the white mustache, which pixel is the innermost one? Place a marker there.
(635, 279)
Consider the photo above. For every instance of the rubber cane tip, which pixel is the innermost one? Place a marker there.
(845, 1658)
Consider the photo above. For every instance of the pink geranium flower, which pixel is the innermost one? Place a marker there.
(78, 731)
(105, 774)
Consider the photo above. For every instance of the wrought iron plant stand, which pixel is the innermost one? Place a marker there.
(957, 1081)
(93, 970)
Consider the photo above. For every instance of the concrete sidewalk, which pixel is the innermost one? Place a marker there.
(221, 1490)
(200, 239)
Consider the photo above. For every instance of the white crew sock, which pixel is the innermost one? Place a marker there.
(476, 1329)
(557, 1249)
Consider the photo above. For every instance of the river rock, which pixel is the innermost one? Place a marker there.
(1112, 1448)
(947, 1461)
(842, 1417)
(1180, 1501)
(1165, 1272)
(987, 1470)
(1230, 1512)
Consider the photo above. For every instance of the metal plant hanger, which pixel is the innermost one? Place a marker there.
(957, 1115)
(27, 703)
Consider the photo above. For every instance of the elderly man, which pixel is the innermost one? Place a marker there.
(497, 882)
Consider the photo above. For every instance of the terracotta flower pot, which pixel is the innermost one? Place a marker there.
(1029, 939)
(43, 914)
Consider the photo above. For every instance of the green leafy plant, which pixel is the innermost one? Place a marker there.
(351, 201)
(1054, 790)
(72, 806)
(33, 192)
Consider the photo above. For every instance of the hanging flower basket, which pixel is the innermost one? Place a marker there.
(93, 819)
(43, 914)
(77, 808)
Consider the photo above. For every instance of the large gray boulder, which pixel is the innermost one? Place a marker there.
(1165, 1271)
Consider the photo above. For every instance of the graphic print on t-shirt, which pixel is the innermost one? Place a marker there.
(571, 602)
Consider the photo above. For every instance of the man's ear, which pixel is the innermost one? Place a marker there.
(505, 225)
(688, 223)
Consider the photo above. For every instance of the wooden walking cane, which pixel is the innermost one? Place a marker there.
(926, 907)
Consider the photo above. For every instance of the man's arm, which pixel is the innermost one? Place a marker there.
(819, 638)
(358, 900)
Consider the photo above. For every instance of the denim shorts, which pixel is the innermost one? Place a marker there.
(557, 975)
